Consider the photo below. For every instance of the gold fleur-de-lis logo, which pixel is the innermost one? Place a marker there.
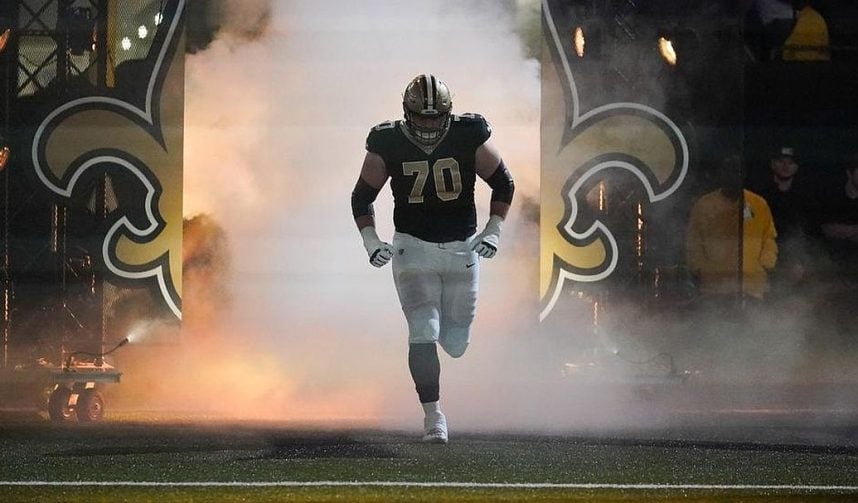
(142, 140)
(577, 150)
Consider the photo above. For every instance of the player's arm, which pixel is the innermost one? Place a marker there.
(373, 176)
(490, 167)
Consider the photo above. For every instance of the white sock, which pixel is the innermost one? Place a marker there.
(431, 407)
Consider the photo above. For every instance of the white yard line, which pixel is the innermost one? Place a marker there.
(467, 485)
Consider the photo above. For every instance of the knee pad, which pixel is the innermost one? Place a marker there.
(455, 341)
(423, 324)
(455, 350)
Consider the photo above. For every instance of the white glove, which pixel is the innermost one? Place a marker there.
(486, 242)
(379, 252)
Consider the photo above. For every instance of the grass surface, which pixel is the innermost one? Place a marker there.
(242, 452)
(373, 494)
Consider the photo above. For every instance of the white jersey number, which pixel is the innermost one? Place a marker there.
(443, 190)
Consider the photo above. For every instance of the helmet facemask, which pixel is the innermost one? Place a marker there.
(427, 105)
(425, 128)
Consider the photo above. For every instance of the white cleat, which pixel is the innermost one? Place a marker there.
(435, 428)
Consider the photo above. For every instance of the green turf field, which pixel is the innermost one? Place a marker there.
(270, 462)
(372, 494)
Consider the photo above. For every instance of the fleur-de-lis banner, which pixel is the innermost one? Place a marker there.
(136, 133)
(578, 148)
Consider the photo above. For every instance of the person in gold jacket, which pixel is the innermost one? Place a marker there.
(712, 238)
(809, 40)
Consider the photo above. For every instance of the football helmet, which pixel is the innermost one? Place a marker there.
(427, 104)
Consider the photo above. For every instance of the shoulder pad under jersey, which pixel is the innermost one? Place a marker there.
(476, 124)
(378, 134)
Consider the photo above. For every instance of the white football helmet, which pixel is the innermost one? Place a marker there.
(427, 104)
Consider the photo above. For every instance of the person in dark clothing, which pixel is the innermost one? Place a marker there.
(788, 194)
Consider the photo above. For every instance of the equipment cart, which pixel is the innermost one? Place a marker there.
(69, 393)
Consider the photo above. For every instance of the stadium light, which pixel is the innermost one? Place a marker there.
(4, 37)
(665, 47)
(586, 39)
(579, 41)
(5, 153)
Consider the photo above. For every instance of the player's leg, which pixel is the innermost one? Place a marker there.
(419, 287)
(426, 370)
(459, 302)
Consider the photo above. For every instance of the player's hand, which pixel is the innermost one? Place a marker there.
(378, 251)
(485, 244)
(380, 256)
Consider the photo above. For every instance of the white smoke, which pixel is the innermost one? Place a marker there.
(275, 132)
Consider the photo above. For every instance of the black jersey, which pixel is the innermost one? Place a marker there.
(433, 191)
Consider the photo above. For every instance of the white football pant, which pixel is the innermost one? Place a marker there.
(437, 287)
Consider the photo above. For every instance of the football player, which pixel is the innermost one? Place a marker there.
(433, 159)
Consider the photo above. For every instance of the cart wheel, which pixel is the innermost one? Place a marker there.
(90, 406)
(59, 409)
